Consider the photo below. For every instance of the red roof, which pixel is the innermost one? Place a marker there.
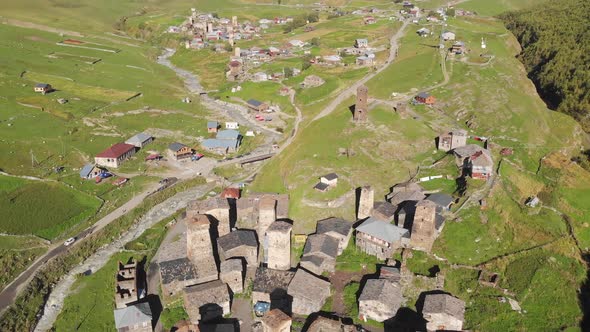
(116, 151)
(230, 193)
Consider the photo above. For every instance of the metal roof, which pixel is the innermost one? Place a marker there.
(382, 230)
(131, 315)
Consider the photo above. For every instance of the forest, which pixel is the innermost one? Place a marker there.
(555, 40)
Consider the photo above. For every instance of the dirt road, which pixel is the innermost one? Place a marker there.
(394, 46)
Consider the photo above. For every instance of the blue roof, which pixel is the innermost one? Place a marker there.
(212, 124)
(85, 171)
(254, 102)
(228, 134)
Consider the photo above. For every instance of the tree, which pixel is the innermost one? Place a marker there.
(451, 12)
(313, 17)
(288, 71)
(315, 41)
(228, 47)
(306, 61)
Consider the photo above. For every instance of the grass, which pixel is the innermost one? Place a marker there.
(172, 314)
(421, 263)
(45, 209)
(350, 295)
(354, 260)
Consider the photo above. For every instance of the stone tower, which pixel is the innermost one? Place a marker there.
(361, 108)
(198, 239)
(277, 246)
(424, 226)
(366, 201)
(234, 21)
(267, 214)
(216, 207)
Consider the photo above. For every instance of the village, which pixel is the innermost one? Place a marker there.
(342, 232)
(233, 247)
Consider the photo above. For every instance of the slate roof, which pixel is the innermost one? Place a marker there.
(176, 146)
(212, 124)
(332, 224)
(85, 171)
(41, 85)
(375, 289)
(424, 95)
(116, 151)
(469, 150)
(321, 186)
(382, 230)
(321, 244)
(385, 208)
(180, 269)
(331, 176)
(279, 226)
(209, 292)
(444, 303)
(404, 196)
(133, 314)
(275, 318)
(236, 239)
(267, 280)
(390, 273)
(441, 199)
(308, 286)
(139, 138)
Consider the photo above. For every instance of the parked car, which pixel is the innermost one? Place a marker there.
(69, 241)
(197, 156)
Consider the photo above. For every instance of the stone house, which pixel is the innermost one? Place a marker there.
(231, 272)
(330, 179)
(126, 284)
(380, 300)
(140, 140)
(379, 238)
(239, 244)
(308, 291)
(424, 230)
(216, 207)
(115, 155)
(134, 318)
(319, 254)
(443, 201)
(176, 274)
(384, 211)
(403, 192)
(250, 214)
(207, 301)
(200, 247)
(277, 245)
(443, 312)
(267, 214)
(312, 81)
(447, 35)
(452, 140)
(337, 228)
(271, 286)
(276, 321)
(325, 324)
(475, 161)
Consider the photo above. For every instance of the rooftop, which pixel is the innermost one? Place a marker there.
(321, 244)
(132, 315)
(180, 269)
(375, 288)
(444, 303)
(275, 318)
(382, 230)
(331, 176)
(441, 199)
(212, 124)
(254, 102)
(267, 280)
(333, 224)
(308, 286)
(237, 239)
(230, 134)
(279, 226)
(210, 292)
(176, 146)
(385, 208)
(139, 138)
(116, 151)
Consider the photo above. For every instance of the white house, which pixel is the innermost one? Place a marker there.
(232, 125)
(448, 35)
(296, 43)
(330, 179)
